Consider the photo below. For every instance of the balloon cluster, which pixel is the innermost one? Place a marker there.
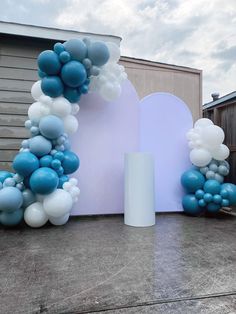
(204, 183)
(205, 142)
(41, 189)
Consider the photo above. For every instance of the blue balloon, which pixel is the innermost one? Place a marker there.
(217, 199)
(41, 74)
(49, 62)
(212, 187)
(64, 57)
(59, 156)
(72, 94)
(225, 202)
(51, 127)
(207, 197)
(199, 194)
(231, 191)
(190, 205)
(28, 198)
(58, 48)
(56, 164)
(11, 219)
(98, 53)
(45, 161)
(76, 48)
(60, 171)
(44, 180)
(224, 193)
(62, 180)
(70, 162)
(73, 74)
(52, 86)
(4, 175)
(40, 146)
(192, 180)
(201, 203)
(25, 163)
(10, 199)
(213, 208)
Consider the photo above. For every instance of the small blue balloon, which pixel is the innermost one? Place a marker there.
(199, 194)
(217, 199)
(201, 203)
(71, 94)
(11, 219)
(10, 199)
(223, 170)
(59, 156)
(18, 178)
(52, 86)
(87, 63)
(34, 130)
(58, 48)
(44, 181)
(41, 74)
(231, 189)
(225, 202)
(64, 57)
(212, 187)
(28, 198)
(28, 124)
(4, 175)
(224, 193)
(49, 62)
(40, 146)
(70, 162)
(67, 145)
(45, 161)
(25, 163)
(213, 167)
(55, 164)
(207, 197)
(73, 74)
(192, 180)
(51, 126)
(98, 53)
(76, 48)
(203, 170)
(60, 171)
(213, 208)
(9, 182)
(83, 89)
(190, 205)
(62, 180)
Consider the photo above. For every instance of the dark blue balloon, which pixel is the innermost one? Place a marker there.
(59, 156)
(10, 199)
(217, 199)
(213, 208)
(207, 197)
(41, 74)
(44, 181)
(4, 175)
(98, 53)
(71, 94)
(45, 161)
(52, 86)
(192, 180)
(25, 163)
(70, 162)
(199, 194)
(58, 48)
(64, 57)
(48, 62)
(225, 202)
(212, 187)
(201, 203)
(231, 191)
(190, 205)
(73, 74)
(62, 180)
(11, 219)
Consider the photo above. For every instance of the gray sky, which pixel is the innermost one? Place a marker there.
(195, 33)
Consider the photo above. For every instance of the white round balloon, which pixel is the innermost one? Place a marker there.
(110, 91)
(36, 90)
(58, 203)
(221, 153)
(70, 124)
(35, 111)
(35, 215)
(61, 107)
(213, 136)
(200, 157)
(114, 51)
(201, 123)
(59, 221)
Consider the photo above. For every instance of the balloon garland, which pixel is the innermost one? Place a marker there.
(41, 189)
(205, 181)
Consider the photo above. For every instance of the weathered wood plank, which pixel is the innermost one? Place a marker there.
(26, 74)
(18, 62)
(15, 85)
(7, 155)
(10, 143)
(14, 108)
(15, 96)
(13, 132)
(6, 165)
(12, 120)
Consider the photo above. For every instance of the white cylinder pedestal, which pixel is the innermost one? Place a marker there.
(139, 200)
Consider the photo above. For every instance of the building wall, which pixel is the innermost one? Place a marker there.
(18, 72)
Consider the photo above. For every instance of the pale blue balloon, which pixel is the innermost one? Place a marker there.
(98, 53)
(11, 218)
(10, 199)
(76, 48)
(28, 198)
(51, 127)
(40, 146)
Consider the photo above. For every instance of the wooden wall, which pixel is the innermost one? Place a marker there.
(18, 72)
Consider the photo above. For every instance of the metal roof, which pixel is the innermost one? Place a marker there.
(220, 100)
(42, 32)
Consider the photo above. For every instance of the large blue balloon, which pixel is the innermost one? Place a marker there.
(192, 180)
(44, 181)
(70, 162)
(231, 192)
(10, 199)
(76, 48)
(4, 175)
(52, 86)
(48, 62)
(73, 74)
(98, 53)
(190, 205)
(51, 127)
(40, 146)
(11, 218)
(212, 187)
(25, 163)
(72, 94)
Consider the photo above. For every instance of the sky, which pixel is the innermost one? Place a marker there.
(194, 33)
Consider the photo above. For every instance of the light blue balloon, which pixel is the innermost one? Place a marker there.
(204, 170)
(25, 163)
(12, 218)
(51, 127)
(44, 181)
(98, 53)
(190, 205)
(219, 178)
(76, 48)
(87, 63)
(28, 198)
(40, 146)
(4, 175)
(49, 62)
(210, 174)
(10, 199)
(223, 170)
(52, 86)
(9, 182)
(213, 167)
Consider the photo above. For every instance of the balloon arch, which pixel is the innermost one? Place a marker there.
(41, 189)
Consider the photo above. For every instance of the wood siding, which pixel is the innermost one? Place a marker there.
(18, 72)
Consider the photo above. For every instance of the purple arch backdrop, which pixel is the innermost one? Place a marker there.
(164, 122)
(106, 132)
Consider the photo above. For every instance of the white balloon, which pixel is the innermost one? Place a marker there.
(67, 186)
(74, 109)
(212, 136)
(58, 203)
(221, 152)
(200, 157)
(201, 123)
(61, 107)
(73, 181)
(35, 215)
(70, 124)
(36, 90)
(59, 221)
(45, 100)
(75, 191)
(35, 111)
(114, 51)
(110, 91)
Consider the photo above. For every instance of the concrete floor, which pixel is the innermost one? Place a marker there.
(182, 265)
